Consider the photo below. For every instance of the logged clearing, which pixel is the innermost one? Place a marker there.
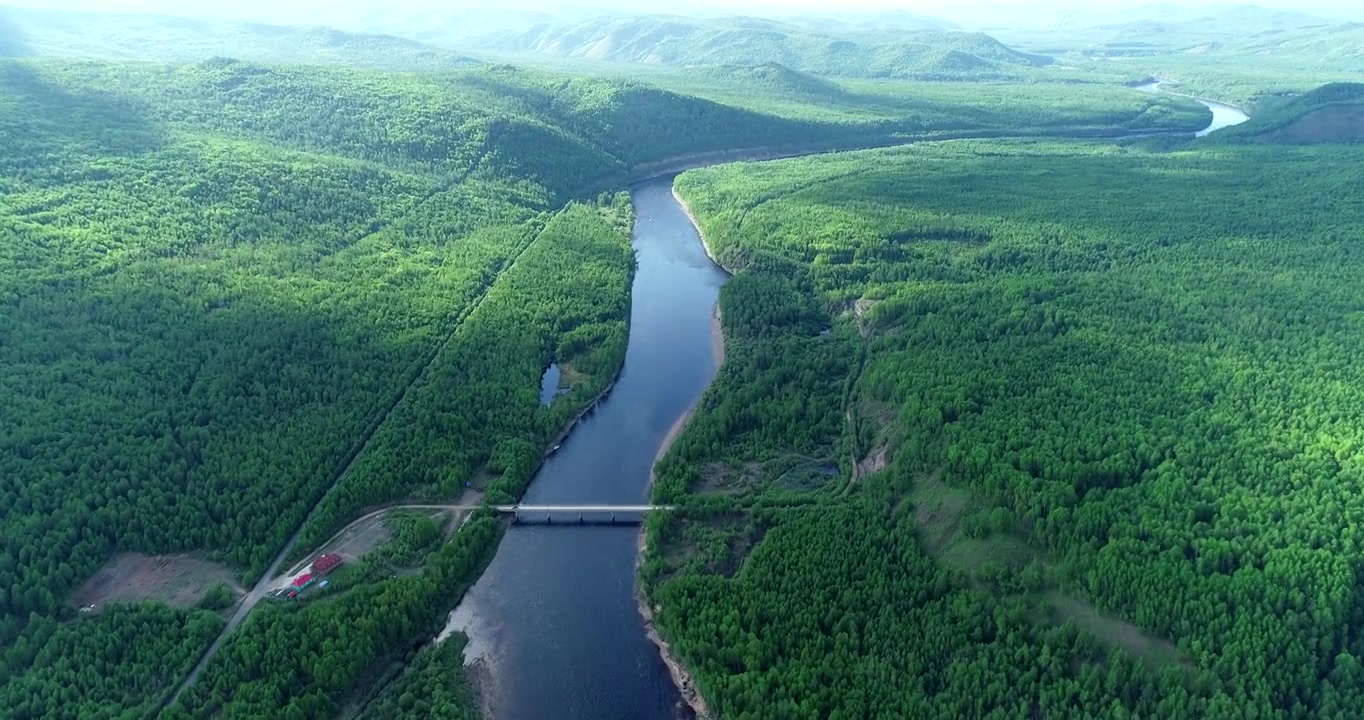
(1113, 631)
(357, 540)
(176, 580)
(940, 509)
(717, 545)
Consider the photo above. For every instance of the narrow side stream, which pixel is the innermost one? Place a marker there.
(553, 623)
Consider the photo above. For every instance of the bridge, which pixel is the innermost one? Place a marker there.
(579, 514)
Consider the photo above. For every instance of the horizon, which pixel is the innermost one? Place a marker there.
(973, 13)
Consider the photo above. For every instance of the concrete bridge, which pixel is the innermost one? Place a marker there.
(579, 514)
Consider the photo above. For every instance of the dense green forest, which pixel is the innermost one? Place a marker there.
(1013, 428)
(222, 276)
(433, 686)
(112, 666)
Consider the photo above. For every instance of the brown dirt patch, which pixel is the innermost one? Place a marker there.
(875, 461)
(570, 376)
(358, 540)
(176, 580)
(860, 309)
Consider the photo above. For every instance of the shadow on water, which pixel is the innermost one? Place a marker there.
(75, 111)
(11, 38)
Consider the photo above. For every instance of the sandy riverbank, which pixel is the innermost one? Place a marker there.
(681, 675)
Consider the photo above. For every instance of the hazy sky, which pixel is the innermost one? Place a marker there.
(321, 10)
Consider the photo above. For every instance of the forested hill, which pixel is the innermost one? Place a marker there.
(673, 40)
(1331, 113)
(28, 32)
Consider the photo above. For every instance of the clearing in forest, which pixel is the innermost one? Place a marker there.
(1113, 631)
(963, 535)
(176, 580)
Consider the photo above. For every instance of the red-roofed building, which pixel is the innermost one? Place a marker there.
(303, 580)
(325, 563)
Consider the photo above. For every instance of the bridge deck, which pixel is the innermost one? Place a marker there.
(579, 508)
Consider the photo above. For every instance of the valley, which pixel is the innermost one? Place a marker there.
(967, 379)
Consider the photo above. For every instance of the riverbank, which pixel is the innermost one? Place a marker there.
(705, 244)
(1157, 85)
(572, 424)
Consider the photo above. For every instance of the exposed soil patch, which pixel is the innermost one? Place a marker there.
(569, 377)
(719, 478)
(860, 309)
(176, 580)
(875, 461)
(790, 472)
(357, 540)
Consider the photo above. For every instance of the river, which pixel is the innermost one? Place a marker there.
(553, 622)
(1223, 115)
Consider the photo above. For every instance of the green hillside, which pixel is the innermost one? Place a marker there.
(1156, 28)
(1333, 113)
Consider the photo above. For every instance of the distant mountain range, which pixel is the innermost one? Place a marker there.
(888, 45)
(1221, 17)
(1166, 29)
(840, 48)
(28, 32)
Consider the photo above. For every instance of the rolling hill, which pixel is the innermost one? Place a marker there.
(1332, 113)
(683, 41)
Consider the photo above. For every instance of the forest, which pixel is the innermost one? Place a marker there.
(1098, 448)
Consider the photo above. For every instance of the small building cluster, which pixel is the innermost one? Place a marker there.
(325, 563)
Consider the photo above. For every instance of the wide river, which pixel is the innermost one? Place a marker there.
(553, 623)
(554, 619)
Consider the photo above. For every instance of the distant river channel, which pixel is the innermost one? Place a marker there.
(1223, 115)
(553, 624)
